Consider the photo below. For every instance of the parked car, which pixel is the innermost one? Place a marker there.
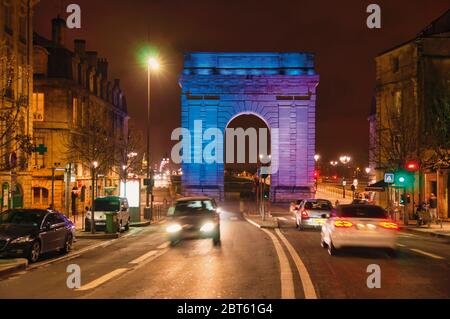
(29, 233)
(361, 201)
(312, 213)
(194, 217)
(109, 204)
(359, 226)
(295, 206)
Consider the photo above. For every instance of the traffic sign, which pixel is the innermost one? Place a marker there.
(41, 149)
(389, 178)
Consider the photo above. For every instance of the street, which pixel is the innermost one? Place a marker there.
(250, 263)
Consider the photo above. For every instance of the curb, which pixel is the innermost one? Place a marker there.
(97, 236)
(8, 270)
(260, 225)
(140, 224)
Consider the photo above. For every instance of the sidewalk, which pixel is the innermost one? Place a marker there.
(9, 266)
(433, 230)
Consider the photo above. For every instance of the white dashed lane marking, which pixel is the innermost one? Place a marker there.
(426, 254)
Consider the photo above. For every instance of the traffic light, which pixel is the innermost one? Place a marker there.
(316, 174)
(405, 199)
(404, 178)
(412, 166)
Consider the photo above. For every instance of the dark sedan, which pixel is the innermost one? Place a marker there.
(194, 217)
(31, 232)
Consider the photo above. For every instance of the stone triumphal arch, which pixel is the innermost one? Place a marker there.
(280, 88)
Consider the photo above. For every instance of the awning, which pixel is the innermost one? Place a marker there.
(376, 187)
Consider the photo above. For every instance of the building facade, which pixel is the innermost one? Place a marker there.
(70, 90)
(16, 83)
(278, 88)
(410, 78)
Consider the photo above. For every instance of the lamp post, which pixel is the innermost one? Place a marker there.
(93, 177)
(334, 164)
(344, 159)
(267, 159)
(152, 64)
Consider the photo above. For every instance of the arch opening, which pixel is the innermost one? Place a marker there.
(247, 147)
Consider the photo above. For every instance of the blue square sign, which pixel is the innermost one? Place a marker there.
(389, 178)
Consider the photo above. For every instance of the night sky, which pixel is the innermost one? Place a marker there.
(335, 30)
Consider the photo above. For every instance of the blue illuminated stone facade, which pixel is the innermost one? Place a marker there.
(280, 88)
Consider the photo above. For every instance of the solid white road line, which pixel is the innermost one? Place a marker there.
(426, 254)
(163, 245)
(286, 276)
(400, 245)
(282, 218)
(143, 257)
(102, 279)
(308, 287)
(252, 222)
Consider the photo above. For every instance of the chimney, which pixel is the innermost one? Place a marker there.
(103, 68)
(58, 30)
(80, 47)
(92, 58)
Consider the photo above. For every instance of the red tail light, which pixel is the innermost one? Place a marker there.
(304, 214)
(343, 224)
(389, 225)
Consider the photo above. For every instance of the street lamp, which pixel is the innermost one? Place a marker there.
(152, 65)
(316, 157)
(345, 159)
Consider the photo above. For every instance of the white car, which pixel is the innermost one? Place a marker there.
(359, 226)
(109, 204)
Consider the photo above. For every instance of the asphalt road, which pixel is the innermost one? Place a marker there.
(250, 263)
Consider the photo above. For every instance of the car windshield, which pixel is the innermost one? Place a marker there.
(365, 211)
(194, 207)
(319, 205)
(102, 205)
(19, 217)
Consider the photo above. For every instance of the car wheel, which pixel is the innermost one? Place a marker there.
(35, 252)
(332, 251)
(216, 239)
(68, 244)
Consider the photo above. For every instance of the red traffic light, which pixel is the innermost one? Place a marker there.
(316, 174)
(412, 166)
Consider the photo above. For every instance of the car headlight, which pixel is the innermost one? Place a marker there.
(173, 228)
(21, 240)
(207, 227)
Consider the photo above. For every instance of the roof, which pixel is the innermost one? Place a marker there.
(437, 26)
(440, 25)
(108, 197)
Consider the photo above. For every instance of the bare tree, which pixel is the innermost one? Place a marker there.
(438, 125)
(94, 147)
(128, 149)
(13, 138)
(397, 137)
